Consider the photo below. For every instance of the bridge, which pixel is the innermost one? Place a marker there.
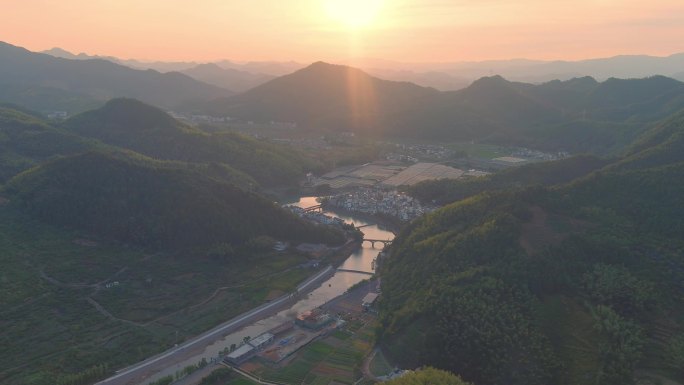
(362, 226)
(356, 271)
(313, 208)
(385, 242)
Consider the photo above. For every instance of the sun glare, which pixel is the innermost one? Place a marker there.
(354, 14)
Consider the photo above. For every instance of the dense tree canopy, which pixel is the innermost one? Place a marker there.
(475, 287)
(427, 376)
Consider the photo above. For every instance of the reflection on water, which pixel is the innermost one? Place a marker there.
(361, 259)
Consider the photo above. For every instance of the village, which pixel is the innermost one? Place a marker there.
(373, 201)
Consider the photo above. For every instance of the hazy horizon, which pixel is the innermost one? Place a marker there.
(347, 61)
(406, 31)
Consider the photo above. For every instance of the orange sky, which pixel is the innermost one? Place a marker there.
(309, 30)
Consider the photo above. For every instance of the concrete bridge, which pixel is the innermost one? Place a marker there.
(313, 208)
(362, 226)
(356, 271)
(385, 242)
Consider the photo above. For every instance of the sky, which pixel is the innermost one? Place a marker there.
(341, 30)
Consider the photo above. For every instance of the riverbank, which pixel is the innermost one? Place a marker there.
(384, 222)
(337, 258)
(318, 290)
(139, 373)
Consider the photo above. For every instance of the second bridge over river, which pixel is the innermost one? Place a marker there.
(385, 242)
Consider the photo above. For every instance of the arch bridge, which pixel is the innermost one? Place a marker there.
(385, 242)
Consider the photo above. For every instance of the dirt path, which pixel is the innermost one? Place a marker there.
(257, 380)
(365, 367)
(109, 315)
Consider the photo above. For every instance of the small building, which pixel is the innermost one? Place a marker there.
(509, 160)
(261, 341)
(241, 354)
(314, 320)
(280, 246)
(369, 300)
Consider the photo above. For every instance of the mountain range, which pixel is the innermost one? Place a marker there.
(23, 74)
(229, 78)
(451, 76)
(576, 115)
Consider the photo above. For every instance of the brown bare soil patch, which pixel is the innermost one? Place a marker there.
(251, 367)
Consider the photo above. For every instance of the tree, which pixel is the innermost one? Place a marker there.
(675, 353)
(427, 376)
(617, 287)
(620, 347)
(221, 251)
(261, 243)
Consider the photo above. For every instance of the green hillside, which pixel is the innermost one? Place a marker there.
(168, 206)
(133, 125)
(26, 140)
(577, 283)
(74, 307)
(546, 174)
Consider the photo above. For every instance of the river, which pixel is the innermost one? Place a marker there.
(361, 260)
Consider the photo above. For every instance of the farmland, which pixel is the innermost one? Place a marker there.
(337, 357)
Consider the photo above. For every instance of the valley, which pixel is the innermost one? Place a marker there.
(269, 222)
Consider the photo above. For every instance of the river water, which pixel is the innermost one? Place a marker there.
(361, 260)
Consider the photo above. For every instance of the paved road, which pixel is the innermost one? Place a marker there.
(137, 373)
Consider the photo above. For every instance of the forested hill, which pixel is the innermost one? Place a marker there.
(26, 140)
(165, 206)
(327, 96)
(445, 191)
(570, 284)
(148, 130)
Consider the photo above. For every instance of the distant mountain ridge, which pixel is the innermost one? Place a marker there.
(232, 79)
(97, 79)
(456, 75)
(325, 95)
(558, 115)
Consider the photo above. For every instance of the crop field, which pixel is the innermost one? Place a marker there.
(337, 357)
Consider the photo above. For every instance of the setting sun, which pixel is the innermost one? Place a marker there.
(353, 14)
